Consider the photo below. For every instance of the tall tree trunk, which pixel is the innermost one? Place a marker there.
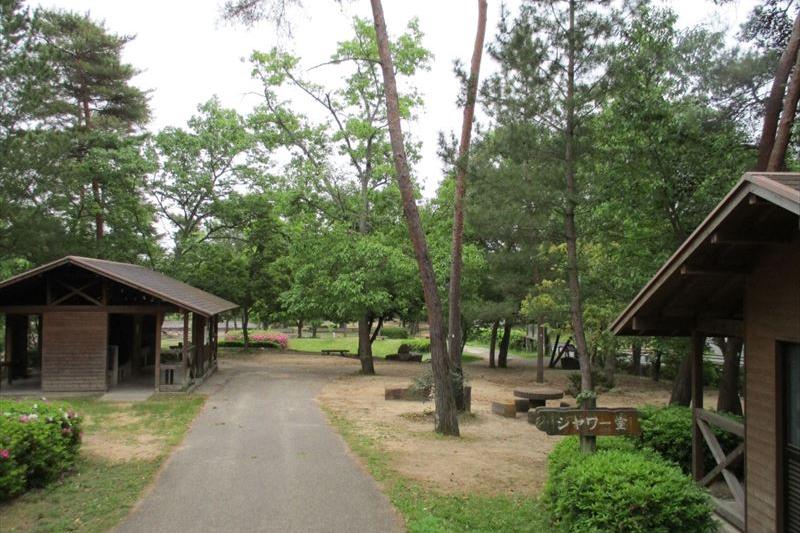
(502, 356)
(682, 386)
(575, 304)
(493, 343)
(610, 367)
(365, 345)
(776, 158)
(313, 330)
(540, 347)
(655, 368)
(446, 419)
(636, 358)
(728, 399)
(377, 331)
(454, 328)
(299, 329)
(245, 322)
(99, 222)
(772, 109)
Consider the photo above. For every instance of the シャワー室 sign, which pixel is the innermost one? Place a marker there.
(588, 422)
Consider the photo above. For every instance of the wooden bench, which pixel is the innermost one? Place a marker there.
(334, 351)
(537, 397)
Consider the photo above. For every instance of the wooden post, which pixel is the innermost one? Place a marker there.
(540, 347)
(157, 348)
(588, 443)
(185, 348)
(698, 447)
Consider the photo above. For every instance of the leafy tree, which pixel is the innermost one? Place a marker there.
(200, 169)
(341, 167)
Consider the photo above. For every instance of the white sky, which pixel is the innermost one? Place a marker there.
(187, 54)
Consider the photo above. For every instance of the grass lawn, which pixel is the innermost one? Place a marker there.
(516, 353)
(428, 511)
(123, 447)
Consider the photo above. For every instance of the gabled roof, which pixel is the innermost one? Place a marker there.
(704, 278)
(140, 278)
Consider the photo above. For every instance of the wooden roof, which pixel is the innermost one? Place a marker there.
(140, 278)
(701, 287)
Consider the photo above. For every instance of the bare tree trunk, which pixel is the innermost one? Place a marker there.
(636, 359)
(776, 158)
(446, 420)
(775, 101)
(610, 367)
(655, 369)
(502, 356)
(454, 327)
(313, 330)
(365, 345)
(575, 304)
(728, 399)
(682, 386)
(493, 343)
(299, 329)
(540, 346)
(245, 322)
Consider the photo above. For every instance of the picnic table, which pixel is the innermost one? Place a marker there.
(333, 351)
(537, 397)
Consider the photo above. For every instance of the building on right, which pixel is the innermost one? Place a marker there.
(738, 275)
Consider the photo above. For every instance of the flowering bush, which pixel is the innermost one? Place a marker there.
(257, 340)
(38, 442)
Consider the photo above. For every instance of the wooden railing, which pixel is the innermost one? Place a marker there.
(733, 512)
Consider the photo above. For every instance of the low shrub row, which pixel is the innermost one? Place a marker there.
(257, 340)
(622, 488)
(38, 442)
(418, 345)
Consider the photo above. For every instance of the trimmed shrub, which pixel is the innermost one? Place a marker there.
(38, 442)
(391, 332)
(620, 488)
(668, 430)
(419, 345)
(257, 340)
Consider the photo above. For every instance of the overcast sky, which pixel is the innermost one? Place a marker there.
(186, 54)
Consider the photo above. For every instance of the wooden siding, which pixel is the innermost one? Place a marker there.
(74, 351)
(772, 313)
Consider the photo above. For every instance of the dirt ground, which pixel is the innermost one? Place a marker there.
(108, 441)
(494, 455)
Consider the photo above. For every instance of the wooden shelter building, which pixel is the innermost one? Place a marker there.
(738, 275)
(100, 324)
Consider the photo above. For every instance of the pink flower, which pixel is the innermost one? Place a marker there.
(5, 454)
(66, 431)
(24, 419)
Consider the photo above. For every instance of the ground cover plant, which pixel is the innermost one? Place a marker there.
(124, 444)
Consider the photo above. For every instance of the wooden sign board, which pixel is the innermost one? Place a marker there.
(596, 422)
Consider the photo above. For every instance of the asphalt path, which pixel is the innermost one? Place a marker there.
(261, 457)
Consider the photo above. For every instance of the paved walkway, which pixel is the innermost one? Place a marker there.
(261, 457)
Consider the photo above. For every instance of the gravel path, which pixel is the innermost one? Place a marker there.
(261, 457)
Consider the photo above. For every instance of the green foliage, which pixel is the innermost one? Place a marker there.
(394, 332)
(38, 442)
(600, 381)
(668, 430)
(620, 488)
(419, 345)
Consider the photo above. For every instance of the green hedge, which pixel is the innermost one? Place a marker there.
(253, 344)
(668, 430)
(38, 442)
(419, 345)
(622, 488)
(391, 332)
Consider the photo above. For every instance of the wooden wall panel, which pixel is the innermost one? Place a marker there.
(74, 351)
(772, 313)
